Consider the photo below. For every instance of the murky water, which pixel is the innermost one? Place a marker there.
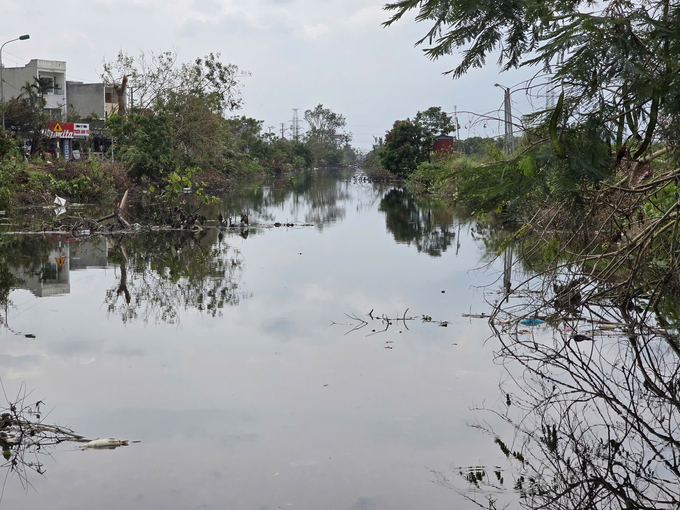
(238, 360)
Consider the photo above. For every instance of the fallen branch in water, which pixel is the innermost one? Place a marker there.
(385, 321)
(24, 435)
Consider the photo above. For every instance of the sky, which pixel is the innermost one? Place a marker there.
(299, 53)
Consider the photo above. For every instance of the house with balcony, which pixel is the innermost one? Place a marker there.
(52, 72)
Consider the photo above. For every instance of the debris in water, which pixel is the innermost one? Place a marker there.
(531, 321)
(105, 444)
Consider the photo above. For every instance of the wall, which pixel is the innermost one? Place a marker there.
(86, 99)
(16, 77)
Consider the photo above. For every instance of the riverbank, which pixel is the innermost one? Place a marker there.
(99, 182)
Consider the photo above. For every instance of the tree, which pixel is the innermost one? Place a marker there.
(25, 115)
(435, 121)
(326, 136)
(176, 116)
(617, 62)
(153, 77)
(406, 146)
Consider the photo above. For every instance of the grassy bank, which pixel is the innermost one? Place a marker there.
(101, 182)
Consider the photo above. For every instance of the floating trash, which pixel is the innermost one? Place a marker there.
(532, 321)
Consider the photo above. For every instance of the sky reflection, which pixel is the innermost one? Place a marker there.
(266, 404)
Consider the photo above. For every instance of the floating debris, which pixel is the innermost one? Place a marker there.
(106, 444)
(531, 321)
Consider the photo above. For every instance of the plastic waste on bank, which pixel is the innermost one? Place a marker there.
(60, 204)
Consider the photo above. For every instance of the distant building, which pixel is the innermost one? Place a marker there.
(91, 99)
(86, 99)
(444, 144)
(52, 71)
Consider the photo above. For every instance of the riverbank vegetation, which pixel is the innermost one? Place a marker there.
(590, 196)
(600, 168)
(171, 119)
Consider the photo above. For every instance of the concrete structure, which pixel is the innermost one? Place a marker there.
(86, 99)
(111, 99)
(54, 71)
(90, 99)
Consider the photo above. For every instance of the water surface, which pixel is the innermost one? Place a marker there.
(230, 355)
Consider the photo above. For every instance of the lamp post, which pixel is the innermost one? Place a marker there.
(2, 81)
(509, 137)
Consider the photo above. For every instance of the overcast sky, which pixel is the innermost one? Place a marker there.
(299, 52)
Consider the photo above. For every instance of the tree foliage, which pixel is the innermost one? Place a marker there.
(616, 62)
(176, 114)
(25, 115)
(326, 136)
(435, 122)
(404, 149)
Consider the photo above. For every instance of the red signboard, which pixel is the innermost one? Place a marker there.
(67, 130)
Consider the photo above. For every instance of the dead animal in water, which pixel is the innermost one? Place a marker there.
(105, 444)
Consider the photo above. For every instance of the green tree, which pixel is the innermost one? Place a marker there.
(176, 117)
(617, 64)
(435, 121)
(326, 136)
(25, 115)
(406, 146)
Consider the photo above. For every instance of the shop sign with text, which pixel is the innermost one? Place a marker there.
(67, 130)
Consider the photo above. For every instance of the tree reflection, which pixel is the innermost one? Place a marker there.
(593, 396)
(316, 197)
(18, 255)
(163, 273)
(427, 226)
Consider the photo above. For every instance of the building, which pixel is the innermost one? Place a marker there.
(92, 100)
(444, 144)
(53, 72)
(86, 99)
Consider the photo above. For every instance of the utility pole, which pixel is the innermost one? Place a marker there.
(283, 127)
(509, 137)
(455, 119)
(296, 132)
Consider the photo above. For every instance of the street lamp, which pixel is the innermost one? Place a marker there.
(2, 82)
(509, 137)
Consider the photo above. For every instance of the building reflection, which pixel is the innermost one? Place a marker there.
(52, 276)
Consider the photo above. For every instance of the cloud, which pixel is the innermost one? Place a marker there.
(366, 18)
(313, 32)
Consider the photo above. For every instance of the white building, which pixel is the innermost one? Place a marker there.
(54, 71)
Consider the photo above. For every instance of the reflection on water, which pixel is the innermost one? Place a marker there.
(271, 406)
(316, 197)
(161, 274)
(591, 390)
(217, 351)
(429, 227)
